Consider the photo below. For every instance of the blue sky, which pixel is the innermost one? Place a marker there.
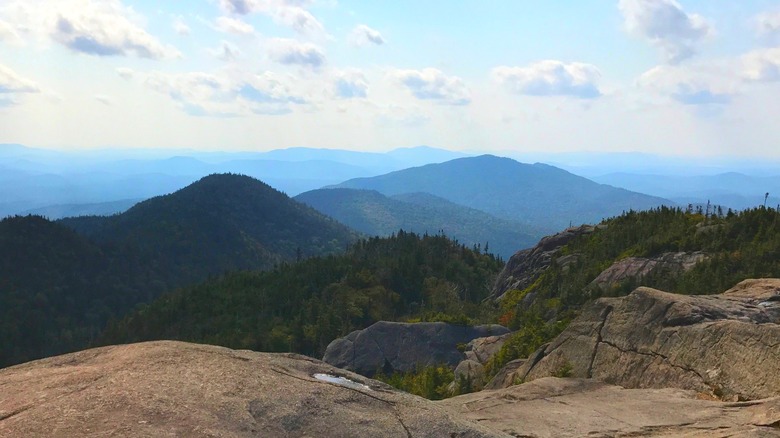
(659, 76)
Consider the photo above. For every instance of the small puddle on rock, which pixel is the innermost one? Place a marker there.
(341, 381)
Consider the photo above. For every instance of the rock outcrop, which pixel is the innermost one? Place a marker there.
(178, 389)
(403, 347)
(557, 408)
(726, 346)
(160, 389)
(523, 268)
(636, 268)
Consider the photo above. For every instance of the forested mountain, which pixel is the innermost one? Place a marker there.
(59, 287)
(302, 307)
(737, 246)
(374, 214)
(222, 222)
(536, 194)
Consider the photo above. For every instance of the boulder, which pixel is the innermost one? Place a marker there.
(525, 266)
(506, 375)
(482, 349)
(167, 388)
(726, 346)
(553, 408)
(404, 347)
(469, 377)
(636, 268)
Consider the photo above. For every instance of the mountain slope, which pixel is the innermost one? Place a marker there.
(302, 307)
(372, 213)
(221, 222)
(58, 289)
(536, 194)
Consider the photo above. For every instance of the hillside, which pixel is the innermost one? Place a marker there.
(59, 288)
(632, 250)
(221, 222)
(374, 214)
(302, 307)
(542, 196)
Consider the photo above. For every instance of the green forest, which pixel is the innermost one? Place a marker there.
(302, 307)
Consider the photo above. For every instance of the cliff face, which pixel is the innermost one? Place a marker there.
(727, 345)
(523, 268)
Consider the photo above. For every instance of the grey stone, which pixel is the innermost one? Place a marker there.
(636, 268)
(403, 347)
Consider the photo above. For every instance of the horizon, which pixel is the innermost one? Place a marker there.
(667, 78)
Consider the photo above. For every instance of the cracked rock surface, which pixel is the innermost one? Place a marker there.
(157, 389)
(555, 408)
(726, 346)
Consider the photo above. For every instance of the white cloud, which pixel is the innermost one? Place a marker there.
(433, 84)
(180, 27)
(291, 52)
(234, 26)
(241, 7)
(8, 33)
(205, 94)
(688, 86)
(104, 99)
(299, 19)
(363, 35)
(225, 52)
(291, 13)
(12, 85)
(666, 25)
(768, 24)
(762, 65)
(350, 84)
(104, 29)
(125, 73)
(551, 78)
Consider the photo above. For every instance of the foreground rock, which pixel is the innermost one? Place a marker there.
(552, 407)
(394, 346)
(727, 345)
(160, 389)
(523, 268)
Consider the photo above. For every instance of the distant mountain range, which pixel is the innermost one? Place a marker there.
(38, 179)
(374, 214)
(734, 190)
(60, 282)
(540, 196)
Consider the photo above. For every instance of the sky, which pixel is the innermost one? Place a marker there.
(670, 77)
